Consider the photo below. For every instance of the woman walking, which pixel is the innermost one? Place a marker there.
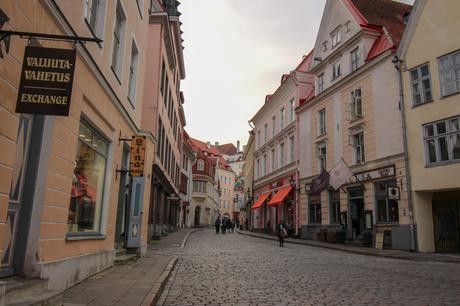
(282, 233)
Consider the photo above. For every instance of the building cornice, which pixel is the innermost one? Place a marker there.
(163, 19)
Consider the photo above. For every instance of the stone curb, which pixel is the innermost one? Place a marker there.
(355, 251)
(184, 242)
(155, 293)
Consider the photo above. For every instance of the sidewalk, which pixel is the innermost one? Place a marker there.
(436, 257)
(137, 282)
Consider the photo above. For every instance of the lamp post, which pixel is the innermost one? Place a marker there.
(293, 183)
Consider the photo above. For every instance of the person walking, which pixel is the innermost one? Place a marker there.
(223, 225)
(282, 233)
(217, 225)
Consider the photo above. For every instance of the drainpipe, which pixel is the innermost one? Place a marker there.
(397, 63)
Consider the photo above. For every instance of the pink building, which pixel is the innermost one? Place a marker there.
(275, 162)
(163, 114)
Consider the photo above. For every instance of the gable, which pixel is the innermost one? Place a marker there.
(336, 14)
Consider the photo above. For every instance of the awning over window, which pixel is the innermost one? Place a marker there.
(279, 197)
(260, 201)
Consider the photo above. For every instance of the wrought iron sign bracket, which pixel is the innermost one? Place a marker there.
(121, 138)
(119, 171)
(76, 39)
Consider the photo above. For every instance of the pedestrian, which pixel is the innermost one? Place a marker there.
(217, 224)
(238, 224)
(282, 233)
(223, 225)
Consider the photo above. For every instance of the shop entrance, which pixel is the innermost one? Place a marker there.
(123, 201)
(356, 209)
(197, 216)
(446, 223)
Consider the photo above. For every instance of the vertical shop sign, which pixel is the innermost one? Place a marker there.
(136, 166)
(46, 81)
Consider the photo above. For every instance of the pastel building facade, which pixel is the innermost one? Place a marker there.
(354, 115)
(429, 66)
(163, 114)
(61, 187)
(275, 162)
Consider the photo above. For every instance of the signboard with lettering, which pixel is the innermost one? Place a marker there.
(136, 165)
(379, 241)
(46, 81)
(373, 175)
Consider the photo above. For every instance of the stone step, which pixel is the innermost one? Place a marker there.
(120, 252)
(121, 260)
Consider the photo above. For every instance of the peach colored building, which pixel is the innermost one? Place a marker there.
(61, 193)
(275, 162)
(354, 115)
(163, 113)
(431, 86)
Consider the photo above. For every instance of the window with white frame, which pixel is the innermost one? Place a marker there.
(442, 141)
(282, 115)
(265, 133)
(118, 38)
(133, 68)
(321, 157)
(321, 83)
(200, 165)
(199, 186)
(354, 59)
(322, 122)
(264, 167)
(336, 36)
(273, 160)
(94, 16)
(421, 85)
(449, 73)
(273, 126)
(281, 154)
(291, 110)
(291, 149)
(358, 148)
(336, 70)
(356, 107)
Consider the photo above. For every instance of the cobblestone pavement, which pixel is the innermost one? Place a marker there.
(233, 269)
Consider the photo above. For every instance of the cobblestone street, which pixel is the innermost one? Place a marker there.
(233, 269)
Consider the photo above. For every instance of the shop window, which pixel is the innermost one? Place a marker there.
(314, 209)
(387, 209)
(88, 182)
(334, 207)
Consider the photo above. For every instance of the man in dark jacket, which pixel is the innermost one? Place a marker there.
(217, 224)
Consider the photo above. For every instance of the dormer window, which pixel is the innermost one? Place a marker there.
(336, 36)
(200, 165)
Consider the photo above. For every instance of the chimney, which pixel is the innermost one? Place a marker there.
(237, 146)
(216, 143)
(208, 144)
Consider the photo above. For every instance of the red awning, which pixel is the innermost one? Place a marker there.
(260, 201)
(279, 197)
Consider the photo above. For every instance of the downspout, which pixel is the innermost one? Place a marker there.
(397, 63)
(297, 182)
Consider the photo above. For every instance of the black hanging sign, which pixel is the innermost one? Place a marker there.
(46, 81)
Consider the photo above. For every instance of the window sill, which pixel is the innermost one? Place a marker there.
(85, 236)
(337, 77)
(442, 163)
(421, 104)
(449, 95)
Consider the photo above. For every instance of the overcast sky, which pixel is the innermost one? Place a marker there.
(235, 53)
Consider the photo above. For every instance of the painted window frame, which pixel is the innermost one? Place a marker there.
(356, 104)
(449, 74)
(359, 156)
(321, 123)
(133, 73)
(434, 136)
(321, 153)
(354, 59)
(421, 85)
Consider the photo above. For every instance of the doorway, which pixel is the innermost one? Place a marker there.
(356, 209)
(446, 223)
(123, 201)
(197, 216)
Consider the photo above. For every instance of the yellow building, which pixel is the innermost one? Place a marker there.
(429, 57)
(353, 115)
(248, 172)
(63, 178)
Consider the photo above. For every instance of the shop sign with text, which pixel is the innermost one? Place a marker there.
(375, 174)
(136, 165)
(46, 81)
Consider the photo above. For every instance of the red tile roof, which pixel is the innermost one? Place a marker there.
(227, 149)
(202, 146)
